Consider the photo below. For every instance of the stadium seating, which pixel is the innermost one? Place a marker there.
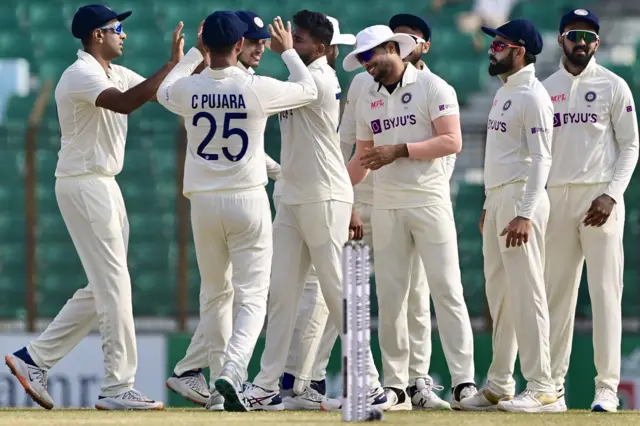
(39, 31)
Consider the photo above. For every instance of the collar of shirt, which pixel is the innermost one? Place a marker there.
(409, 77)
(245, 69)
(318, 63)
(586, 71)
(525, 75)
(220, 73)
(91, 61)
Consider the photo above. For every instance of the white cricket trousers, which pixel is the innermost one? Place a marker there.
(94, 213)
(429, 230)
(304, 234)
(516, 293)
(569, 243)
(233, 238)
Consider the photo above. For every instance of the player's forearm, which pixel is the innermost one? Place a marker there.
(184, 68)
(299, 73)
(436, 147)
(357, 173)
(623, 170)
(535, 187)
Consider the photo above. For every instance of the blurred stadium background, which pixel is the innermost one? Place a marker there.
(40, 270)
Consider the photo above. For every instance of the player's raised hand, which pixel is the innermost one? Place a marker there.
(281, 38)
(177, 43)
(199, 42)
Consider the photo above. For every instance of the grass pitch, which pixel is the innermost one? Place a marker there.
(195, 417)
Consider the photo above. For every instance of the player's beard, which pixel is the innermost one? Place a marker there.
(502, 66)
(578, 60)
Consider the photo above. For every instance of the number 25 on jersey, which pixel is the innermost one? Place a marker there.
(227, 132)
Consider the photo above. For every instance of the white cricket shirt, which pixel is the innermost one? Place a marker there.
(313, 168)
(519, 134)
(93, 138)
(225, 114)
(407, 116)
(595, 129)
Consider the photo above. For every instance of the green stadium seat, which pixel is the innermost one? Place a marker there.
(44, 15)
(57, 40)
(12, 228)
(51, 226)
(14, 44)
(52, 69)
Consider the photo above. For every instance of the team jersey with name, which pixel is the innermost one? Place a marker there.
(313, 168)
(519, 134)
(595, 129)
(406, 116)
(93, 139)
(226, 112)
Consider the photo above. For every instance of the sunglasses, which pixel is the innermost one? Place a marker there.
(498, 46)
(116, 27)
(417, 39)
(576, 35)
(366, 55)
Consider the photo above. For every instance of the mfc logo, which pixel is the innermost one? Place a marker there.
(573, 118)
(498, 126)
(377, 104)
(378, 126)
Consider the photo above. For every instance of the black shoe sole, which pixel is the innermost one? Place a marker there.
(232, 400)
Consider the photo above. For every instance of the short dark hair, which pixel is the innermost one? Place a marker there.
(529, 58)
(319, 26)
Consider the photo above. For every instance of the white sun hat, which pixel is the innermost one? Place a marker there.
(339, 38)
(375, 36)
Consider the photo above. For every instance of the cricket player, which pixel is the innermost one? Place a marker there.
(93, 99)
(513, 224)
(595, 151)
(226, 110)
(412, 119)
(312, 221)
(187, 379)
(301, 388)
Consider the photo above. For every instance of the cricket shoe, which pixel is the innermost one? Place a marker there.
(377, 399)
(484, 400)
(460, 392)
(531, 401)
(216, 402)
(129, 400)
(606, 401)
(398, 400)
(561, 401)
(32, 378)
(423, 396)
(191, 385)
(309, 399)
(230, 386)
(260, 399)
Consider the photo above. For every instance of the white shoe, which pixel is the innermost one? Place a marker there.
(606, 401)
(561, 401)
(230, 386)
(460, 392)
(259, 399)
(484, 400)
(32, 378)
(192, 386)
(129, 400)
(424, 398)
(216, 402)
(377, 400)
(398, 400)
(531, 401)
(309, 399)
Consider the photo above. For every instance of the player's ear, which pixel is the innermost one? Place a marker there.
(425, 47)
(560, 40)
(98, 35)
(239, 44)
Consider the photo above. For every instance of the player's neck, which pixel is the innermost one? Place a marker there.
(395, 75)
(219, 62)
(513, 71)
(571, 67)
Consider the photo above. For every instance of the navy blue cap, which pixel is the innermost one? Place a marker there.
(583, 15)
(90, 17)
(412, 21)
(521, 32)
(257, 29)
(223, 28)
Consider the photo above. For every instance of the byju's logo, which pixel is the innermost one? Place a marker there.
(574, 118)
(556, 120)
(376, 127)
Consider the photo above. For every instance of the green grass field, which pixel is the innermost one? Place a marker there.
(194, 417)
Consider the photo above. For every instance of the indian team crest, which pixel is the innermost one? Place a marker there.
(506, 105)
(580, 12)
(406, 98)
(258, 22)
(590, 96)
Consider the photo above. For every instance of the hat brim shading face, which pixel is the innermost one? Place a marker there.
(121, 17)
(405, 42)
(494, 32)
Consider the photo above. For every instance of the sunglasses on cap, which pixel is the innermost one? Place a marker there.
(577, 35)
(116, 27)
(498, 46)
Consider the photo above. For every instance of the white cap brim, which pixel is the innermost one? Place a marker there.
(406, 43)
(348, 39)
